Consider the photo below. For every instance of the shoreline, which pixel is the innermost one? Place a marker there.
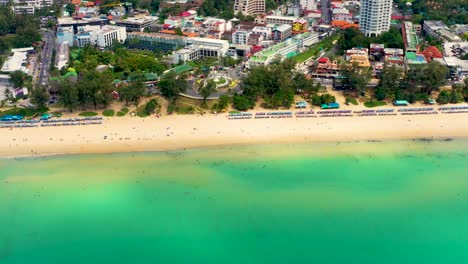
(127, 134)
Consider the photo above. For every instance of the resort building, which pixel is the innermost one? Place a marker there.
(264, 31)
(154, 41)
(325, 69)
(431, 27)
(282, 50)
(394, 56)
(249, 7)
(17, 61)
(199, 48)
(62, 55)
(410, 39)
(65, 34)
(107, 35)
(280, 33)
(375, 17)
(280, 20)
(133, 24)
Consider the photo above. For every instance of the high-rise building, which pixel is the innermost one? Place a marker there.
(27, 6)
(375, 17)
(249, 7)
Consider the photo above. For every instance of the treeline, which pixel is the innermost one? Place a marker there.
(415, 85)
(449, 11)
(122, 62)
(17, 31)
(275, 85)
(352, 37)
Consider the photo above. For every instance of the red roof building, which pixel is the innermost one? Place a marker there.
(431, 53)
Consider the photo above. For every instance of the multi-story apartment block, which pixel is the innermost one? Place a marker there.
(249, 7)
(137, 23)
(27, 6)
(264, 31)
(280, 20)
(282, 32)
(198, 48)
(432, 26)
(107, 35)
(240, 37)
(375, 17)
(308, 5)
(410, 39)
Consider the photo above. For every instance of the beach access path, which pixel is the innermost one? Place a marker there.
(131, 134)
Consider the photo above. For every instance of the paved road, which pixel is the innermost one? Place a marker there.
(49, 42)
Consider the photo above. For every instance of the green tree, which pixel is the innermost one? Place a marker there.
(222, 104)
(179, 32)
(390, 81)
(172, 85)
(39, 97)
(17, 78)
(68, 95)
(151, 106)
(435, 75)
(242, 103)
(207, 89)
(70, 8)
(444, 97)
(354, 77)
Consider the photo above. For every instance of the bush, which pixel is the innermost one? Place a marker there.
(323, 99)
(350, 100)
(373, 103)
(124, 110)
(223, 103)
(120, 114)
(27, 112)
(242, 103)
(108, 112)
(88, 114)
(315, 100)
(444, 97)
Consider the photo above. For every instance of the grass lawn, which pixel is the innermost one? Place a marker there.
(323, 45)
(372, 103)
(189, 106)
(88, 113)
(221, 81)
(108, 112)
(122, 112)
(351, 100)
(26, 112)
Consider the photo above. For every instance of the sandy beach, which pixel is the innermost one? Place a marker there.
(130, 134)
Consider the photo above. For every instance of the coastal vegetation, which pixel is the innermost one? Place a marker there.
(88, 114)
(108, 112)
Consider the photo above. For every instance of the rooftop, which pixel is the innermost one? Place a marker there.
(16, 60)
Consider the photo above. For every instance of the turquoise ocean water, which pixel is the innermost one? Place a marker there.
(361, 202)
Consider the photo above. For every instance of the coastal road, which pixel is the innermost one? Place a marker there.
(49, 42)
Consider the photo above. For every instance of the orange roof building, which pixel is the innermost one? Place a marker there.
(431, 53)
(343, 24)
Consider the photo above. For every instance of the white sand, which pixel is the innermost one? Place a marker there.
(177, 132)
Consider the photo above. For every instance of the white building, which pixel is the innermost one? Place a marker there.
(62, 55)
(280, 20)
(308, 4)
(217, 24)
(65, 34)
(375, 17)
(102, 37)
(264, 31)
(240, 37)
(199, 48)
(432, 26)
(17, 61)
(27, 6)
(249, 7)
(342, 14)
(108, 34)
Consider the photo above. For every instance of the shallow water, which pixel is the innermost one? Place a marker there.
(362, 202)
